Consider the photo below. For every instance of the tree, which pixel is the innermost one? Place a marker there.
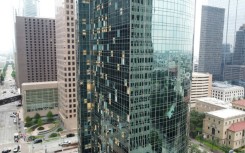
(28, 119)
(37, 116)
(50, 116)
(194, 149)
(196, 123)
(39, 122)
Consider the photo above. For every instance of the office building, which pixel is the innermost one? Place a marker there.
(234, 73)
(135, 72)
(40, 97)
(35, 50)
(227, 92)
(239, 53)
(212, 25)
(225, 127)
(201, 86)
(30, 8)
(66, 62)
(209, 104)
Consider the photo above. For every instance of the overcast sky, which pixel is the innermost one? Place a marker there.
(7, 20)
(47, 10)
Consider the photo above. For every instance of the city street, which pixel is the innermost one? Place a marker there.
(8, 89)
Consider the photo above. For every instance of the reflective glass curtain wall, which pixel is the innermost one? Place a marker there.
(135, 71)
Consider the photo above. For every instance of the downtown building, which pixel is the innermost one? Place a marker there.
(135, 66)
(66, 63)
(30, 8)
(212, 25)
(35, 50)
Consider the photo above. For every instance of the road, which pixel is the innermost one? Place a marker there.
(8, 89)
(201, 148)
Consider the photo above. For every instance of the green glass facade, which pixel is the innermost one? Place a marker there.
(135, 60)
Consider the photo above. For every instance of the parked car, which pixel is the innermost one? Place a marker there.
(12, 115)
(65, 143)
(16, 149)
(6, 150)
(37, 141)
(70, 135)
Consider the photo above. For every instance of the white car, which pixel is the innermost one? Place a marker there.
(12, 115)
(15, 121)
(65, 143)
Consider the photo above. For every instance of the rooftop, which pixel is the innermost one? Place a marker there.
(226, 113)
(215, 101)
(235, 127)
(197, 74)
(239, 102)
(224, 85)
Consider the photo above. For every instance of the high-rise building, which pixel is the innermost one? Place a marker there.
(135, 60)
(30, 8)
(211, 37)
(35, 50)
(201, 86)
(66, 63)
(239, 53)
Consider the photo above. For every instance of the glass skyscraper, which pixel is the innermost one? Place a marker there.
(135, 64)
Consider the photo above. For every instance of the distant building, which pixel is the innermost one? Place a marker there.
(239, 104)
(208, 104)
(234, 72)
(239, 52)
(201, 86)
(227, 92)
(225, 126)
(212, 25)
(35, 50)
(40, 97)
(30, 8)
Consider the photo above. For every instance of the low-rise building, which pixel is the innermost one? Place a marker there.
(227, 92)
(201, 86)
(208, 104)
(40, 97)
(236, 135)
(218, 126)
(239, 104)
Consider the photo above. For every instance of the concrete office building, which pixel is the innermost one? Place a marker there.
(35, 50)
(66, 62)
(212, 25)
(30, 8)
(135, 72)
(227, 92)
(40, 97)
(208, 104)
(225, 126)
(201, 86)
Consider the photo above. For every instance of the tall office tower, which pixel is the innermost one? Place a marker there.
(30, 8)
(135, 60)
(35, 50)
(239, 53)
(66, 62)
(212, 24)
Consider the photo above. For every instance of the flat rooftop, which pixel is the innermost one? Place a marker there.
(224, 85)
(226, 113)
(215, 101)
(197, 74)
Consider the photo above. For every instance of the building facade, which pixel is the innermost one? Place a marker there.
(227, 92)
(209, 104)
(35, 50)
(234, 73)
(40, 97)
(201, 86)
(30, 8)
(212, 25)
(66, 62)
(135, 72)
(239, 53)
(219, 126)
(239, 104)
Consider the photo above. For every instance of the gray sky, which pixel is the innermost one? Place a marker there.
(7, 20)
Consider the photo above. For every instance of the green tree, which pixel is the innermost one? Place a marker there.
(28, 119)
(37, 116)
(40, 122)
(194, 149)
(50, 116)
(196, 123)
